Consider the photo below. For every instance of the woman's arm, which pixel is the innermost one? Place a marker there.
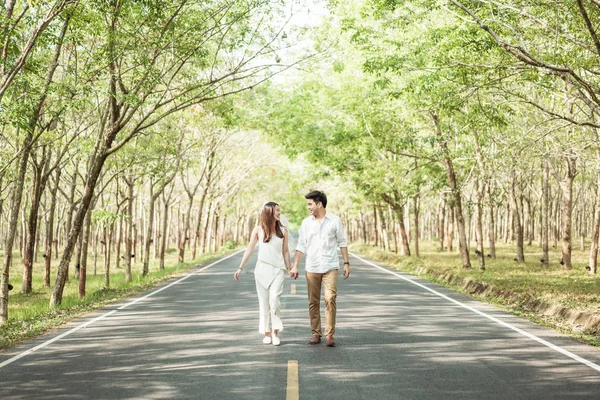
(247, 253)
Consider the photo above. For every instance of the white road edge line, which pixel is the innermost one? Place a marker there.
(78, 327)
(494, 319)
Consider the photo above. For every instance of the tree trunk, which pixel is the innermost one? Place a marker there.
(95, 249)
(469, 223)
(530, 221)
(118, 244)
(1, 213)
(557, 219)
(396, 202)
(163, 238)
(97, 161)
(185, 237)
(403, 233)
(416, 223)
(151, 201)
(492, 227)
(376, 223)
(40, 171)
(215, 233)
(450, 235)
(384, 230)
(442, 222)
(593, 261)
(156, 234)
(582, 211)
(153, 197)
(480, 191)
(208, 229)
(15, 206)
(78, 256)
(544, 211)
(108, 236)
(199, 222)
(516, 213)
(456, 195)
(119, 240)
(57, 229)
(379, 229)
(72, 204)
(84, 252)
(363, 227)
(50, 229)
(522, 216)
(23, 236)
(129, 230)
(396, 231)
(567, 213)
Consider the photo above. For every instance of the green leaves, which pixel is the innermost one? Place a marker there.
(106, 218)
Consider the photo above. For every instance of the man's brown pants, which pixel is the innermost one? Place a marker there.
(329, 281)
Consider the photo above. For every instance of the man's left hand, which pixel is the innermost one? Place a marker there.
(346, 271)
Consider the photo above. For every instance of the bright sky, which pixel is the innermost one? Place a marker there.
(308, 12)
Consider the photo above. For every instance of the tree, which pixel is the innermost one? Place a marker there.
(148, 81)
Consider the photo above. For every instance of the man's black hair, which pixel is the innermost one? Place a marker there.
(318, 197)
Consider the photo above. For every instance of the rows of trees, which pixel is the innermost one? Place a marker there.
(116, 133)
(473, 121)
(131, 127)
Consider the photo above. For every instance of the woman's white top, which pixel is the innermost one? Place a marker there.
(272, 251)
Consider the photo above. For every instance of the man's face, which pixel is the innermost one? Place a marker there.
(312, 206)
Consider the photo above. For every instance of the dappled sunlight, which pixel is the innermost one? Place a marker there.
(199, 339)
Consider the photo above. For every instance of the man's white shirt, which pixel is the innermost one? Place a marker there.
(319, 241)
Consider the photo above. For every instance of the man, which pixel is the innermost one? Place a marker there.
(320, 236)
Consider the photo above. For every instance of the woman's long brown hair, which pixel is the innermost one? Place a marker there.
(268, 223)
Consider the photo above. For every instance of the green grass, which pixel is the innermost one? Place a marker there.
(575, 289)
(30, 314)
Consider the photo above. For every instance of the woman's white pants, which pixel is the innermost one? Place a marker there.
(269, 287)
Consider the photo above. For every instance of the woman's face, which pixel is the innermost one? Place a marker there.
(277, 213)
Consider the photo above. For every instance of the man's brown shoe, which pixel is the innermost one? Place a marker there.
(315, 339)
(330, 341)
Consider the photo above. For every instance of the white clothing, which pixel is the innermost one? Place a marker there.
(271, 252)
(319, 240)
(268, 297)
(269, 275)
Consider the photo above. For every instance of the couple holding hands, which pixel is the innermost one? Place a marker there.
(319, 238)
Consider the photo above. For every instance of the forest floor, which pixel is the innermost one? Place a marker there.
(30, 314)
(567, 301)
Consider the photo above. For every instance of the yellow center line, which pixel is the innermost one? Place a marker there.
(293, 288)
(292, 391)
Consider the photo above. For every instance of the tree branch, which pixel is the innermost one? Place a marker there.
(588, 24)
(521, 54)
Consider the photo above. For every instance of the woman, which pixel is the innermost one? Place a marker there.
(273, 262)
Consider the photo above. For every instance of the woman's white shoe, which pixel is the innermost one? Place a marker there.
(276, 341)
(267, 340)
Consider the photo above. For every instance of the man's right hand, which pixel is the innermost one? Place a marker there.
(294, 272)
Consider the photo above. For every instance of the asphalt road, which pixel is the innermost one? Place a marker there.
(398, 337)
